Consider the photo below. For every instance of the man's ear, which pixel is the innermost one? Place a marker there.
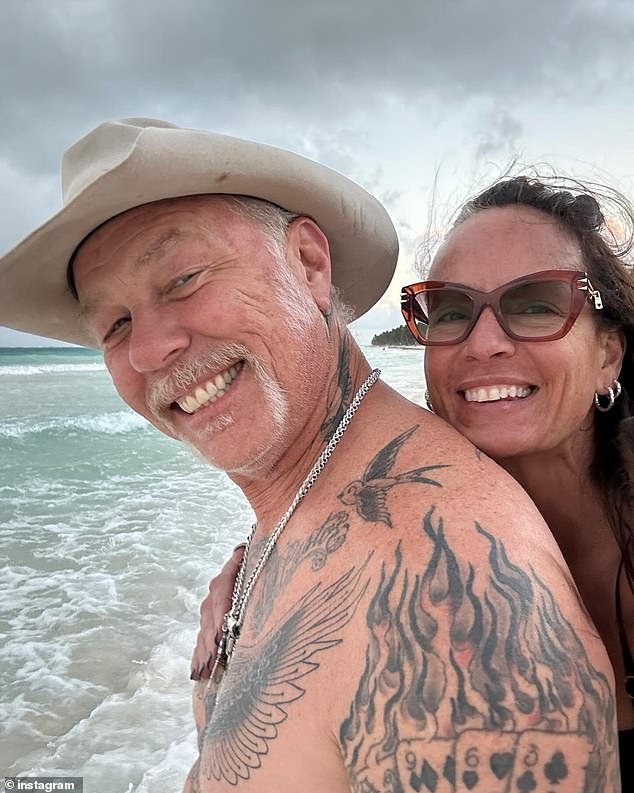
(308, 253)
(612, 343)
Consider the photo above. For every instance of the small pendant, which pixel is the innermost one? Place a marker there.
(230, 635)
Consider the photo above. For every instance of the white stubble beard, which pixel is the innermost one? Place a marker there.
(183, 375)
(160, 394)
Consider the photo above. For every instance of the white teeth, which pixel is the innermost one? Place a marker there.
(202, 396)
(496, 392)
(191, 403)
(210, 391)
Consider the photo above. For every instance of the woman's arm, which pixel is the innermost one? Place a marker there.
(212, 610)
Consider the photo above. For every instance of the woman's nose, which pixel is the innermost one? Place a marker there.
(488, 338)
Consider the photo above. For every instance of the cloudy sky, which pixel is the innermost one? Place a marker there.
(397, 95)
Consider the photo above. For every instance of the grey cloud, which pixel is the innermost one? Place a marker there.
(67, 65)
(500, 132)
(315, 77)
(309, 76)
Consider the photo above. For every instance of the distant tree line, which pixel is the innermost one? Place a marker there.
(398, 337)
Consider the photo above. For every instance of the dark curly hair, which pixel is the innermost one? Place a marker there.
(606, 247)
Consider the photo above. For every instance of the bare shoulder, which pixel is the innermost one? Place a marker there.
(415, 629)
(402, 467)
(482, 670)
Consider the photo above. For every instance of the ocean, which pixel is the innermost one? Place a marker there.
(109, 533)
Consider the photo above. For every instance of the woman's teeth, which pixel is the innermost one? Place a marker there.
(493, 393)
(210, 391)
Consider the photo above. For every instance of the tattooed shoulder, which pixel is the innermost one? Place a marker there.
(366, 498)
(369, 495)
(311, 551)
(475, 680)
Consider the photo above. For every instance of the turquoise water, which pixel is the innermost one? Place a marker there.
(109, 533)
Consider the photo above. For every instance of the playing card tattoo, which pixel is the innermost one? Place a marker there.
(449, 663)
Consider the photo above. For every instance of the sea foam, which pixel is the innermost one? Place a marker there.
(50, 368)
(117, 423)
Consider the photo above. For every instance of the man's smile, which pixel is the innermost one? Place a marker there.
(209, 391)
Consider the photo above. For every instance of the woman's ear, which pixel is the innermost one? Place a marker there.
(612, 343)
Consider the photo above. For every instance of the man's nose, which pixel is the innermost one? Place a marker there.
(156, 340)
(488, 338)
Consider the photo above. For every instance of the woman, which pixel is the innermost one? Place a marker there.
(533, 360)
(542, 380)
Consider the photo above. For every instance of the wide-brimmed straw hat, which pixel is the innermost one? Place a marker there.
(123, 164)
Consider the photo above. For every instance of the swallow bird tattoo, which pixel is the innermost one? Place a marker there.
(369, 495)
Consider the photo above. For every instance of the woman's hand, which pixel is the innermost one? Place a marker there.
(212, 611)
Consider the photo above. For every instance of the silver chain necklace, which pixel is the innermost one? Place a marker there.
(234, 618)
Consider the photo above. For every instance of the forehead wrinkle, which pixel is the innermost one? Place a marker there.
(157, 251)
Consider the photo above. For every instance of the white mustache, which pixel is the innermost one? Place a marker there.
(161, 393)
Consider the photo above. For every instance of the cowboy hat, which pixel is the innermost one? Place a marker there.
(125, 163)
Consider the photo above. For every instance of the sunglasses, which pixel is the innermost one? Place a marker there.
(538, 307)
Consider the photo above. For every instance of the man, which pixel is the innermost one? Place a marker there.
(404, 621)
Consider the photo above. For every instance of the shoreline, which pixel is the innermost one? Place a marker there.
(397, 346)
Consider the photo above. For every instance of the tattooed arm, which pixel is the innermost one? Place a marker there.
(474, 680)
(414, 630)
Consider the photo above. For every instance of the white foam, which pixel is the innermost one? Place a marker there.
(51, 368)
(116, 423)
(116, 745)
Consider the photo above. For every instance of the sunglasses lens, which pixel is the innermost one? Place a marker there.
(536, 310)
(442, 315)
(530, 310)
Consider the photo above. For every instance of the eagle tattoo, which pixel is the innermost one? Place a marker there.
(263, 680)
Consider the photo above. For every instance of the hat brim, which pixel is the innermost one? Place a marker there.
(169, 163)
